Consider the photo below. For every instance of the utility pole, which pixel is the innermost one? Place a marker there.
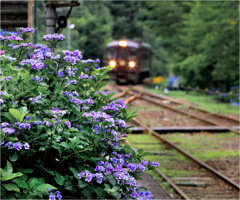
(68, 36)
(69, 27)
(51, 16)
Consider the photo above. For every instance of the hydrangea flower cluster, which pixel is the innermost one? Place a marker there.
(56, 111)
(115, 106)
(34, 100)
(53, 37)
(12, 37)
(59, 124)
(54, 195)
(26, 30)
(117, 165)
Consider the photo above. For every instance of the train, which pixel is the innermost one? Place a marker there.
(130, 59)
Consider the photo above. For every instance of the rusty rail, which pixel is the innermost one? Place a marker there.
(189, 156)
(190, 106)
(189, 114)
(173, 185)
(184, 112)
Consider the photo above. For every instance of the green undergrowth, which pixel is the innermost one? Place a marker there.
(168, 159)
(206, 102)
(202, 145)
(207, 146)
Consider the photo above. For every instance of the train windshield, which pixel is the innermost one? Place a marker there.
(112, 53)
(132, 53)
(122, 54)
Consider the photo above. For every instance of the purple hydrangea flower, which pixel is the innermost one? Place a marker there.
(37, 80)
(155, 164)
(12, 37)
(72, 82)
(132, 167)
(145, 163)
(5, 124)
(88, 61)
(75, 93)
(9, 144)
(90, 102)
(68, 123)
(24, 30)
(27, 118)
(3, 93)
(88, 177)
(7, 78)
(60, 74)
(58, 112)
(81, 174)
(71, 73)
(99, 177)
(34, 100)
(24, 125)
(26, 145)
(8, 130)
(17, 146)
(52, 196)
(54, 36)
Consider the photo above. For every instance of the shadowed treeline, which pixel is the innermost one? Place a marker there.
(195, 40)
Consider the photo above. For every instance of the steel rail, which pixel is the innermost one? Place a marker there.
(180, 111)
(190, 106)
(131, 98)
(182, 129)
(189, 114)
(163, 97)
(173, 185)
(189, 156)
(120, 94)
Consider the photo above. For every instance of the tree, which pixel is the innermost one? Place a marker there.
(210, 35)
(93, 29)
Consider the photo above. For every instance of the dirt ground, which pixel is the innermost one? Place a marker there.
(156, 116)
(149, 183)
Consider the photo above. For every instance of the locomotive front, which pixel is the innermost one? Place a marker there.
(123, 56)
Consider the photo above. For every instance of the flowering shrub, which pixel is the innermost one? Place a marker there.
(61, 137)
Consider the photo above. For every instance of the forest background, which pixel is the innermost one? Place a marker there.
(196, 40)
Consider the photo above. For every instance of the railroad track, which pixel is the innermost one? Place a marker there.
(189, 110)
(218, 186)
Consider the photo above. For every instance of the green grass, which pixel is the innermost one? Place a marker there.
(204, 101)
(206, 146)
(166, 161)
(203, 146)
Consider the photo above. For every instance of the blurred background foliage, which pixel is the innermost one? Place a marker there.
(196, 40)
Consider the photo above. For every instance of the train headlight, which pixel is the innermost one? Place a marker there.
(112, 63)
(131, 64)
(123, 43)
